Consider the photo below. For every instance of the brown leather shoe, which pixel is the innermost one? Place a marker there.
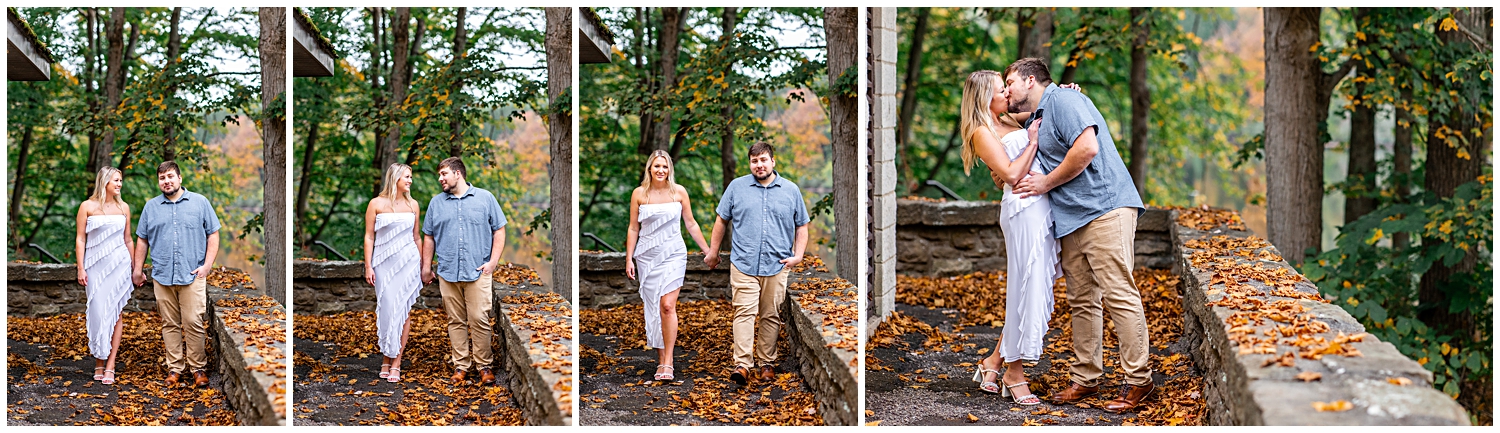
(200, 379)
(458, 376)
(172, 379)
(1074, 393)
(486, 376)
(767, 373)
(741, 375)
(1130, 396)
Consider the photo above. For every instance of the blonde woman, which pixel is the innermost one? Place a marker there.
(655, 254)
(996, 137)
(393, 264)
(104, 269)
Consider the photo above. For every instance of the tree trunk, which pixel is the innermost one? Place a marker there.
(19, 192)
(1405, 123)
(418, 32)
(842, 30)
(1070, 68)
(559, 44)
(1034, 39)
(401, 50)
(1293, 153)
(92, 75)
(1140, 99)
(304, 183)
(460, 50)
(728, 161)
(909, 91)
(273, 136)
(99, 155)
(1446, 171)
(174, 48)
(669, 45)
(1361, 170)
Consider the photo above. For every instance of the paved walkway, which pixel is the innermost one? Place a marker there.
(920, 365)
(616, 386)
(336, 377)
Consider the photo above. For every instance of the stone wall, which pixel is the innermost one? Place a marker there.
(948, 238)
(331, 287)
(1245, 385)
(254, 385)
(830, 369)
(602, 282)
(45, 289)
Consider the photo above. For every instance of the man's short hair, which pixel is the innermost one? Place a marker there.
(166, 166)
(1031, 66)
(761, 147)
(455, 164)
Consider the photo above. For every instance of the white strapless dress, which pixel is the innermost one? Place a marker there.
(660, 261)
(106, 261)
(398, 280)
(1032, 264)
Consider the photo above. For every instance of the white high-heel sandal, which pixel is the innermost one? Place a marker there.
(665, 375)
(984, 385)
(1029, 399)
(385, 370)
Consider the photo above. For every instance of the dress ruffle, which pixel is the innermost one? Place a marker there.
(1033, 265)
(661, 261)
(396, 262)
(107, 263)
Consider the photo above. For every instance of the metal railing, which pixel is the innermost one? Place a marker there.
(331, 249)
(45, 252)
(944, 188)
(601, 242)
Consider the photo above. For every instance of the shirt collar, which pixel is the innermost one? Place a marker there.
(180, 199)
(774, 183)
(467, 192)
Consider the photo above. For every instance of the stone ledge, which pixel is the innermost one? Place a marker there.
(257, 396)
(832, 373)
(1239, 391)
(615, 262)
(531, 331)
(947, 213)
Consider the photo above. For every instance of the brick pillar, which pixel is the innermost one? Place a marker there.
(881, 93)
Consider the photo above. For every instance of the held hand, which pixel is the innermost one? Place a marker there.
(83, 278)
(1034, 185)
(369, 275)
(1033, 131)
(629, 268)
(1073, 86)
(712, 259)
(792, 261)
(427, 275)
(138, 278)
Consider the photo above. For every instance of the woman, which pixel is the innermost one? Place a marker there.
(393, 264)
(104, 268)
(1032, 264)
(654, 245)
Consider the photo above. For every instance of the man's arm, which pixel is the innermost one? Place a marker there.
(711, 257)
(799, 246)
(208, 256)
(427, 247)
(1085, 147)
(136, 269)
(497, 246)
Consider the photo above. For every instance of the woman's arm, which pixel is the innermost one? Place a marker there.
(632, 233)
(992, 152)
(416, 225)
(130, 252)
(687, 217)
(370, 211)
(80, 242)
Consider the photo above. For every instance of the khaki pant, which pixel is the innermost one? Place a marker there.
(469, 306)
(182, 309)
(1097, 259)
(756, 298)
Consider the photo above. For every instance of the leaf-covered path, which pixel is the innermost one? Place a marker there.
(920, 362)
(616, 386)
(337, 379)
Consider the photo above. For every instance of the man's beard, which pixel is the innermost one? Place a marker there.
(768, 175)
(171, 192)
(1018, 105)
(448, 188)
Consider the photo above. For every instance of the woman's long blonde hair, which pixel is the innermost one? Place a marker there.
(974, 111)
(392, 176)
(671, 171)
(101, 185)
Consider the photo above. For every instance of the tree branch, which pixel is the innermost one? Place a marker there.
(506, 68)
(1473, 38)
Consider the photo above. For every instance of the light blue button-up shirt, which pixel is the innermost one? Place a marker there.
(177, 234)
(463, 229)
(765, 221)
(1104, 185)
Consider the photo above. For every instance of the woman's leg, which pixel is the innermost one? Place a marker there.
(668, 327)
(405, 329)
(992, 362)
(114, 344)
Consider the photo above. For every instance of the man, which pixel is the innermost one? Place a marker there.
(770, 235)
(181, 231)
(1094, 209)
(466, 228)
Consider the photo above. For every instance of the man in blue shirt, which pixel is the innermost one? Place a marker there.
(1094, 211)
(466, 229)
(770, 234)
(181, 231)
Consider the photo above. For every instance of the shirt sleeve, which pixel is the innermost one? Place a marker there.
(726, 208)
(497, 215)
(1070, 115)
(799, 216)
(211, 218)
(143, 226)
(427, 225)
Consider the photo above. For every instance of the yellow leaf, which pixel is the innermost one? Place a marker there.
(1335, 406)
